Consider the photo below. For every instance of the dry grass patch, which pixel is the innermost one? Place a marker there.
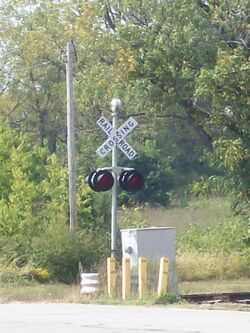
(193, 266)
(205, 211)
(214, 286)
(36, 292)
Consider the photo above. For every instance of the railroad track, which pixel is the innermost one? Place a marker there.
(243, 298)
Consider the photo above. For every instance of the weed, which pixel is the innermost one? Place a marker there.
(169, 299)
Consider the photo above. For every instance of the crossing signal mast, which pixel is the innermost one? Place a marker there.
(105, 179)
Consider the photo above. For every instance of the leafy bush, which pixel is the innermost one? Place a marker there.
(34, 230)
(224, 237)
(55, 255)
(91, 213)
(60, 252)
(39, 274)
(12, 273)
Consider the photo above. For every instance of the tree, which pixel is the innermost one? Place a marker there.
(34, 196)
(162, 58)
(34, 226)
(33, 69)
(224, 87)
(156, 52)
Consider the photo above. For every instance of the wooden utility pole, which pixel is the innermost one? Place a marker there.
(71, 139)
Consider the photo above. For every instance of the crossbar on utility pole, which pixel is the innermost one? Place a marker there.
(71, 139)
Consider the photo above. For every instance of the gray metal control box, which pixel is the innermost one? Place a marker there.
(152, 243)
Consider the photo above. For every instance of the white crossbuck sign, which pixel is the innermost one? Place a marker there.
(116, 137)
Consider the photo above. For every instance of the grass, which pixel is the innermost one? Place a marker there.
(36, 292)
(203, 211)
(194, 266)
(214, 286)
(209, 238)
(56, 292)
(198, 271)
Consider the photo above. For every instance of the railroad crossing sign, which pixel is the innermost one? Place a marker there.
(116, 137)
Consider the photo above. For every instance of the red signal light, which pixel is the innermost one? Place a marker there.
(131, 180)
(100, 181)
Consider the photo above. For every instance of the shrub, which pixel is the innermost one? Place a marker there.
(34, 213)
(222, 237)
(12, 273)
(60, 252)
(39, 274)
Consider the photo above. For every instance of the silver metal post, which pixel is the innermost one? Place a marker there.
(71, 139)
(115, 106)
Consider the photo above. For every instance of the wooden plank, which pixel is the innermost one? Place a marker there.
(126, 278)
(163, 277)
(143, 277)
(111, 274)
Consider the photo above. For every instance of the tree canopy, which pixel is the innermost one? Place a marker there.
(180, 67)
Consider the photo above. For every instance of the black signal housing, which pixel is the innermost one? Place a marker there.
(100, 181)
(131, 180)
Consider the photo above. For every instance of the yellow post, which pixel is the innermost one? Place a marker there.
(111, 273)
(163, 277)
(143, 277)
(126, 278)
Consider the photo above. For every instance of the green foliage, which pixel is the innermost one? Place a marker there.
(7, 141)
(60, 252)
(223, 237)
(216, 247)
(169, 299)
(12, 274)
(213, 185)
(93, 212)
(34, 213)
(36, 195)
(132, 216)
(158, 174)
(39, 274)
(197, 266)
(182, 67)
(226, 88)
(142, 61)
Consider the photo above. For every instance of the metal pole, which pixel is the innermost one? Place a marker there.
(115, 106)
(71, 139)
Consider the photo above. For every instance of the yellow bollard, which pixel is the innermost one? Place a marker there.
(163, 277)
(111, 274)
(126, 278)
(143, 277)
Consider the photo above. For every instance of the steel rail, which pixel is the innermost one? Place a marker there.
(242, 297)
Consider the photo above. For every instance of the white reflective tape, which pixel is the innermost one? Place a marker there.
(89, 283)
